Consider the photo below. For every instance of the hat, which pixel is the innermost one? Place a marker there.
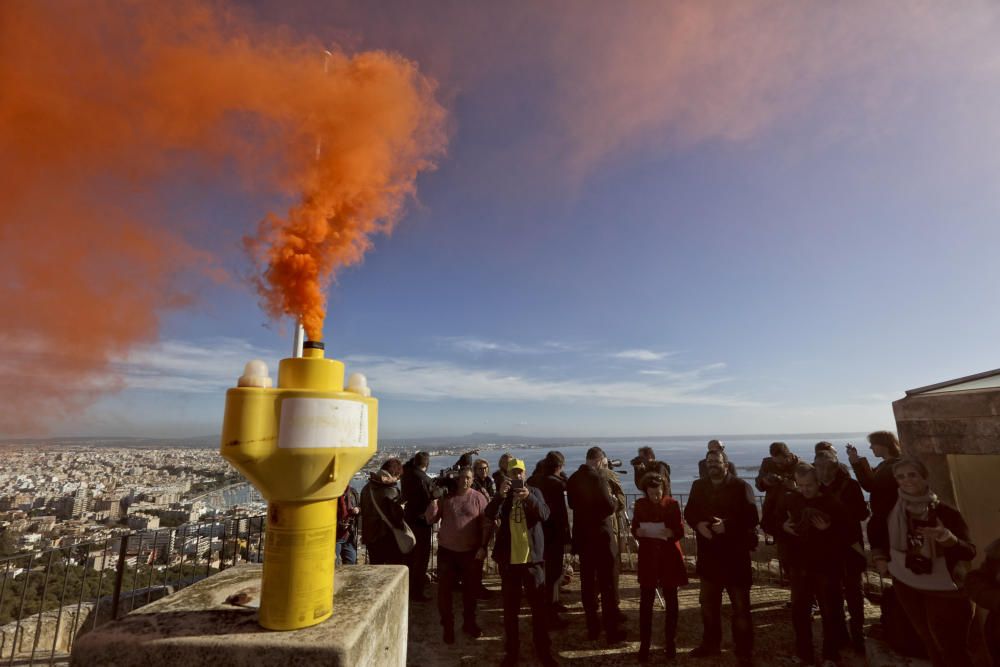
(514, 464)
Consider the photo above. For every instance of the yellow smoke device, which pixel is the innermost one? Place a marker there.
(299, 444)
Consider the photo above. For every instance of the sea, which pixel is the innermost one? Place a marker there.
(746, 453)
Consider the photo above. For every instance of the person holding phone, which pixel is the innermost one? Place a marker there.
(878, 482)
(520, 552)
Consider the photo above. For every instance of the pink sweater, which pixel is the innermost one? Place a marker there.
(462, 520)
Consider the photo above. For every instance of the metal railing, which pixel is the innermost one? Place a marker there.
(47, 599)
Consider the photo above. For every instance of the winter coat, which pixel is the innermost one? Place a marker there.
(880, 485)
(347, 521)
(418, 491)
(535, 512)
(593, 506)
(812, 549)
(951, 518)
(485, 486)
(660, 563)
(381, 488)
(847, 492)
(724, 558)
(556, 527)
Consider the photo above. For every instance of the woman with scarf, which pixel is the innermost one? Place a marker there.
(925, 546)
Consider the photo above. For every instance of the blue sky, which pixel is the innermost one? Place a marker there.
(756, 218)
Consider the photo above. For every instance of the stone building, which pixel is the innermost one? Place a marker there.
(954, 428)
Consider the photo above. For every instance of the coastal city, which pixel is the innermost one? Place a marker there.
(61, 494)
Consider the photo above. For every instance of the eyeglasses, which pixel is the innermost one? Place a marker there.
(913, 474)
(482, 468)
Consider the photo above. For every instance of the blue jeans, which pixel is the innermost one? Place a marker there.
(347, 553)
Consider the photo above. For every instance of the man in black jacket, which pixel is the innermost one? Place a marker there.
(836, 483)
(519, 550)
(418, 489)
(723, 513)
(550, 480)
(594, 540)
(818, 535)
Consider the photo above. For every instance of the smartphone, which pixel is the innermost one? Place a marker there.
(516, 484)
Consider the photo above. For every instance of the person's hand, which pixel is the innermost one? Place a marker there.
(355, 510)
(504, 487)
(937, 533)
(521, 493)
(481, 553)
(788, 483)
(852, 453)
(704, 530)
(789, 526)
(718, 526)
(819, 523)
(882, 566)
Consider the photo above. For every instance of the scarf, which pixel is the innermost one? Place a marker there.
(907, 508)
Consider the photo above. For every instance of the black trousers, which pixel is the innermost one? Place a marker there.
(850, 591)
(824, 588)
(420, 556)
(598, 572)
(452, 566)
(553, 574)
(532, 577)
(646, 596)
(710, 597)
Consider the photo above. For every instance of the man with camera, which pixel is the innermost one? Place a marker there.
(723, 513)
(594, 540)
(817, 538)
(418, 490)
(519, 550)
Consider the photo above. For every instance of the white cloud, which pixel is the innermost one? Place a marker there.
(641, 355)
(180, 366)
(424, 380)
(213, 366)
(479, 345)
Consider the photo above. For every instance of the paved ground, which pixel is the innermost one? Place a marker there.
(772, 627)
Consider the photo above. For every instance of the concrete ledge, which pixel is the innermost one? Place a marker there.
(197, 626)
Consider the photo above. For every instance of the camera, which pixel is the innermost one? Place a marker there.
(614, 463)
(446, 482)
(516, 484)
(918, 563)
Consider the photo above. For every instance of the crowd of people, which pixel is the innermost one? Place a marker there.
(813, 512)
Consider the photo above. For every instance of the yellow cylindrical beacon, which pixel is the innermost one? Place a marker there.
(299, 444)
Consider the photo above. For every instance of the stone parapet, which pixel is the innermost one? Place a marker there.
(214, 622)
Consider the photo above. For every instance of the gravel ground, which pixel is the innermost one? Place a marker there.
(771, 618)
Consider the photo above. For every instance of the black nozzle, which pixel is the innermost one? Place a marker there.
(313, 345)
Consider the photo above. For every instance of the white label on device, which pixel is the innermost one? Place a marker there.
(322, 422)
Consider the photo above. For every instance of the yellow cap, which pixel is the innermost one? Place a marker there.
(513, 464)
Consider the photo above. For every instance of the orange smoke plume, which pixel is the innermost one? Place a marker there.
(102, 103)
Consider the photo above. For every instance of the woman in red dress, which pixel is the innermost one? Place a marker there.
(657, 525)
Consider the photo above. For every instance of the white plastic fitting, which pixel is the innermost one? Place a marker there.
(357, 383)
(255, 375)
